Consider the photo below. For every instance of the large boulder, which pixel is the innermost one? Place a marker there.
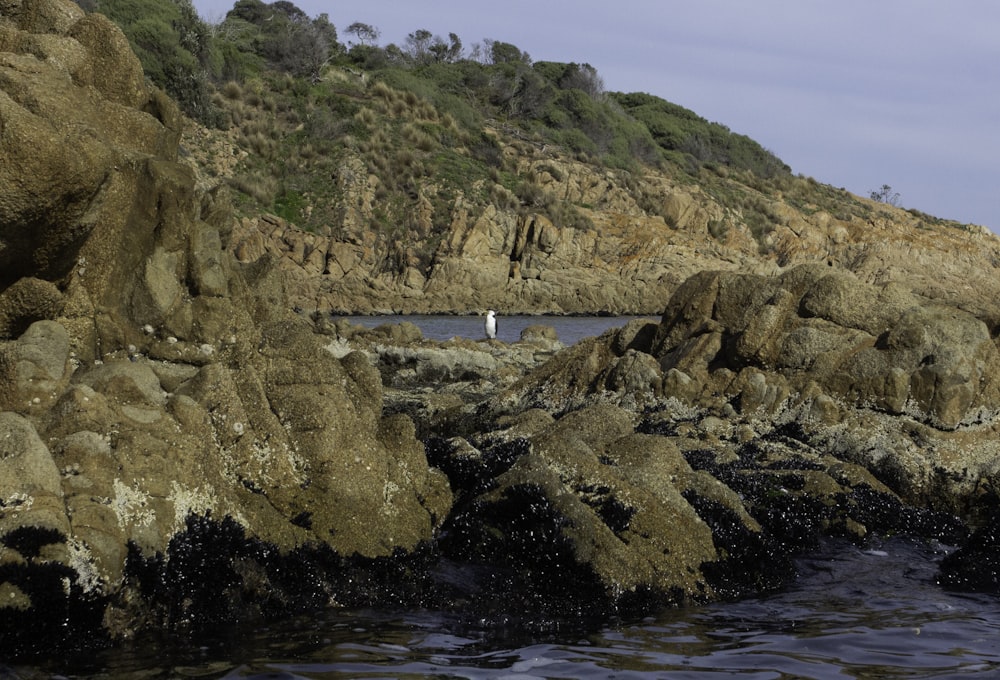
(871, 346)
(604, 510)
(163, 414)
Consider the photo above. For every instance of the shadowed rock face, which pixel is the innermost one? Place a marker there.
(150, 389)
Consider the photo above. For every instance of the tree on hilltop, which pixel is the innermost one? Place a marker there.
(365, 33)
(885, 194)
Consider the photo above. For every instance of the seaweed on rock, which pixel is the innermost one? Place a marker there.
(54, 614)
(976, 565)
(533, 565)
(751, 562)
(214, 574)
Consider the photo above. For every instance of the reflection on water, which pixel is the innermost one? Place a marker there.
(570, 329)
(853, 613)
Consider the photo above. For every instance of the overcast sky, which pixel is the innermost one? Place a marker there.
(855, 93)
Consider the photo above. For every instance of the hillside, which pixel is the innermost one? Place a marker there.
(429, 178)
(435, 176)
(404, 211)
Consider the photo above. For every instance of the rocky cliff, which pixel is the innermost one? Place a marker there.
(639, 239)
(146, 379)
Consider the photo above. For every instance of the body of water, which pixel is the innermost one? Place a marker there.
(852, 613)
(570, 329)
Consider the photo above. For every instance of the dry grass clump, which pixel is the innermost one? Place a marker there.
(260, 144)
(261, 188)
(418, 138)
(366, 117)
(503, 198)
(449, 123)
(383, 91)
(307, 151)
(232, 91)
(424, 110)
(398, 108)
(407, 105)
(379, 144)
(256, 126)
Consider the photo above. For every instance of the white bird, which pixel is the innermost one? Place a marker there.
(491, 324)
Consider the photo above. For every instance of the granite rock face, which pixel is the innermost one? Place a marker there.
(638, 244)
(595, 481)
(151, 389)
(873, 374)
(688, 460)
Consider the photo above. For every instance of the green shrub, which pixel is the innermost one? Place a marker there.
(173, 45)
(675, 128)
(289, 206)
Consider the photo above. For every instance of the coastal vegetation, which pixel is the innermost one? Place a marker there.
(430, 120)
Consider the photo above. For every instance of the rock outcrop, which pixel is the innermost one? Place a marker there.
(687, 460)
(155, 396)
(630, 255)
(901, 384)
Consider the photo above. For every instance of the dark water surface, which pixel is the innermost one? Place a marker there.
(852, 613)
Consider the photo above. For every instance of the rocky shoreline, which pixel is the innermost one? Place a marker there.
(180, 448)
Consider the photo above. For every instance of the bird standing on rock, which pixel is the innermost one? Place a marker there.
(491, 325)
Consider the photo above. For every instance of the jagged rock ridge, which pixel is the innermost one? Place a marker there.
(627, 258)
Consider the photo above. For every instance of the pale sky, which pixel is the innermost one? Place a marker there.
(855, 93)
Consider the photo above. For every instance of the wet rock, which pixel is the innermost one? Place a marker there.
(584, 496)
(976, 565)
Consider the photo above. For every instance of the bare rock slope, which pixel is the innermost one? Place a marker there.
(635, 248)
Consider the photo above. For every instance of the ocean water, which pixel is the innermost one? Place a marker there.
(853, 612)
(570, 329)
